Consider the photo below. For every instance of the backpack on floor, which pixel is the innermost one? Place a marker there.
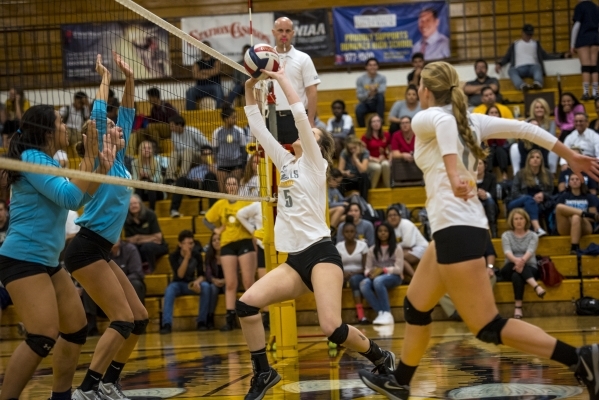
(587, 306)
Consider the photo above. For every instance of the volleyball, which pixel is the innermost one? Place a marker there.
(261, 56)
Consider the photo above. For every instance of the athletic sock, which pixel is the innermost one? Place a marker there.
(404, 373)
(61, 395)
(565, 354)
(113, 372)
(595, 88)
(585, 88)
(374, 353)
(360, 311)
(260, 361)
(91, 381)
(574, 247)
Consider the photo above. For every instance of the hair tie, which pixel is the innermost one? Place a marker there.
(451, 88)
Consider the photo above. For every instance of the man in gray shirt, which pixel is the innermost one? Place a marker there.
(370, 89)
(187, 145)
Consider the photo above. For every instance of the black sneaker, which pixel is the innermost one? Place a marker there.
(201, 326)
(385, 384)
(386, 365)
(587, 370)
(166, 328)
(261, 383)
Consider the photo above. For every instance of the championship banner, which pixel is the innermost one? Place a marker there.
(144, 46)
(226, 34)
(391, 33)
(312, 31)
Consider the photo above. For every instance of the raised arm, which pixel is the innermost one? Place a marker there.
(129, 93)
(102, 93)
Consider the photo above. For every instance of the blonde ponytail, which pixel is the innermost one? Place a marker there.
(458, 105)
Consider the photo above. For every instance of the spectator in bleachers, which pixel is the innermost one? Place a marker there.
(520, 149)
(353, 164)
(568, 107)
(584, 40)
(417, 64)
(384, 270)
(541, 113)
(341, 125)
(201, 177)
(488, 99)
(594, 124)
(250, 181)
(187, 280)
(583, 138)
(214, 274)
(239, 79)
(206, 72)
(4, 221)
(403, 141)
(146, 167)
(15, 107)
(432, 44)
(62, 158)
(229, 143)
(473, 88)
(353, 256)
(519, 246)
(237, 246)
(404, 108)
(364, 228)
(498, 148)
(318, 123)
(337, 203)
(532, 189)
(370, 90)
(408, 237)
(576, 212)
(160, 115)
(75, 115)
(142, 230)
(187, 144)
(486, 184)
(564, 181)
(377, 143)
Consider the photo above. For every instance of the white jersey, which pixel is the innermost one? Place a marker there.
(251, 218)
(436, 136)
(302, 198)
(300, 71)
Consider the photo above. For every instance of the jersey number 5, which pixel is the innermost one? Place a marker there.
(288, 198)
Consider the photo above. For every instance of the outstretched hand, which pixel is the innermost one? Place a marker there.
(90, 141)
(590, 165)
(100, 68)
(108, 154)
(279, 74)
(123, 66)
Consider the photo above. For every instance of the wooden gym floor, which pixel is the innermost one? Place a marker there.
(194, 365)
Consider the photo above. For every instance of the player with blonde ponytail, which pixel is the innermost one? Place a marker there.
(447, 149)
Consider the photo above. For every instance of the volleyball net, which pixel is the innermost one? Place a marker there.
(189, 133)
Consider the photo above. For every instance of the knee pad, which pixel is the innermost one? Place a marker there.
(79, 337)
(40, 344)
(491, 333)
(139, 326)
(588, 68)
(339, 336)
(245, 310)
(415, 317)
(123, 327)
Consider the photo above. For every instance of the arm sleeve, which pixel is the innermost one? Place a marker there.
(493, 184)
(507, 58)
(125, 121)
(309, 74)
(348, 124)
(134, 261)
(173, 259)
(361, 92)
(501, 128)
(200, 264)
(505, 244)
(157, 176)
(369, 261)
(383, 84)
(246, 214)
(213, 214)
(443, 127)
(574, 35)
(310, 148)
(533, 243)
(153, 227)
(99, 115)
(398, 267)
(369, 234)
(340, 232)
(199, 138)
(516, 186)
(258, 128)
(395, 109)
(134, 169)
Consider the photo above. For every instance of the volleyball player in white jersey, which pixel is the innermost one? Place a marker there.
(301, 231)
(447, 148)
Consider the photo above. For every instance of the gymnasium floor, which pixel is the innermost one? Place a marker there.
(190, 365)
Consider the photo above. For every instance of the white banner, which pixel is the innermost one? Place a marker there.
(227, 34)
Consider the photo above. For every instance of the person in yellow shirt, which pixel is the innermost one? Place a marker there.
(488, 99)
(237, 246)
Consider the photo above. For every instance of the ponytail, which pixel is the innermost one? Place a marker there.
(458, 105)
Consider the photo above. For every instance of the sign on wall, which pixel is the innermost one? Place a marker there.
(312, 31)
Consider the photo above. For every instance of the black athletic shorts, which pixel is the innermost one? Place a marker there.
(229, 169)
(261, 257)
(86, 248)
(238, 248)
(320, 252)
(12, 270)
(460, 243)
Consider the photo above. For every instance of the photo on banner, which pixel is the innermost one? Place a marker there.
(312, 31)
(391, 33)
(144, 45)
(226, 34)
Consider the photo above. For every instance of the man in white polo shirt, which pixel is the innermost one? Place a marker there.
(582, 138)
(302, 74)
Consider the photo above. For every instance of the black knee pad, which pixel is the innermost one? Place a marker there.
(245, 310)
(339, 336)
(588, 68)
(139, 327)
(491, 333)
(415, 317)
(40, 344)
(123, 327)
(79, 337)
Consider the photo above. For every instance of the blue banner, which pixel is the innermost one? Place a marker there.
(391, 33)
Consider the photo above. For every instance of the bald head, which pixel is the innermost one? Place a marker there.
(283, 33)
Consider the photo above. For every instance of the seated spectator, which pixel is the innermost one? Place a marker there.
(519, 246)
(594, 124)
(201, 177)
(520, 149)
(126, 256)
(377, 143)
(187, 280)
(565, 111)
(75, 115)
(142, 230)
(540, 112)
(353, 256)
(318, 123)
(187, 144)
(404, 108)
(488, 99)
(353, 164)
(432, 43)
(160, 116)
(408, 237)
(473, 88)
(418, 65)
(16, 105)
(250, 181)
(214, 274)
(206, 72)
(239, 79)
(340, 125)
(526, 57)
(4, 221)
(498, 149)
(486, 184)
(564, 181)
(403, 141)
(384, 270)
(364, 228)
(370, 89)
(337, 203)
(532, 189)
(62, 158)
(576, 212)
(146, 167)
(229, 142)
(582, 138)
